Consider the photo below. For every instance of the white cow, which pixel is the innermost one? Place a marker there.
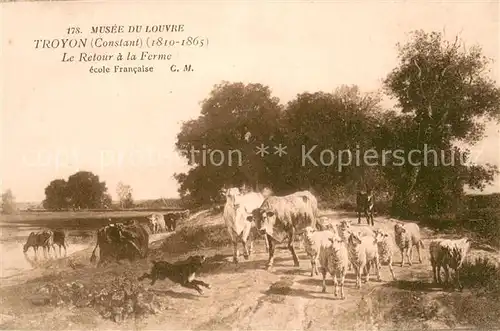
(237, 216)
(157, 222)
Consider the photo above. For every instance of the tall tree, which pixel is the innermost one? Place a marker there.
(124, 195)
(444, 92)
(8, 202)
(234, 119)
(85, 190)
(56, 195)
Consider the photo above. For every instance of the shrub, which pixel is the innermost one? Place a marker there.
(118, 300)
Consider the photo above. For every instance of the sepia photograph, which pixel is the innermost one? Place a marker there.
(249, 165)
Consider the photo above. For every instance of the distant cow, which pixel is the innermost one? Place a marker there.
(60, 240)
(171, 220)
(44, 239)
(119, 241)
(281, 217)
(157, 222)
(364, 204)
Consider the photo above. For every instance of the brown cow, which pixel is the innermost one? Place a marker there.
(44, 239)
(121, 241)
(282, 217)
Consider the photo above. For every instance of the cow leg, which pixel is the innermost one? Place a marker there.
(272, 247)
(245, 249)
(419, 253)
(367, 217)
(359, 216)
(371, 217)
(377, 268)
(446, 274)
(402, 256)
(368, 268)
(292, 250)
(266, 243)
(236, 253)
(35, 249)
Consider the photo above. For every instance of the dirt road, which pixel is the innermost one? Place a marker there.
(245, 296)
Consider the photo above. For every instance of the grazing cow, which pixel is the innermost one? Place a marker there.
(119, 241)
(406, 236)
(157, 222)
(334, 259)
(237, 211)
(280, 217)
(60, 240)
(448, 253)
(171, 220)
(364, 204)
(182, 273)
(44, 239)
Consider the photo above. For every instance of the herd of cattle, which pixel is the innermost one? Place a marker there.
(117, 240)
(336, 246)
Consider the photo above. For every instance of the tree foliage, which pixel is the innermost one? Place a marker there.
(82, 190)
(8, 202)
(443, 96)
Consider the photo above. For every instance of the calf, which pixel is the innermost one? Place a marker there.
(157, 222)
(364, 204)
(182, 273)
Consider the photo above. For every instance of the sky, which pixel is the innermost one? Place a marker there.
(58, 118)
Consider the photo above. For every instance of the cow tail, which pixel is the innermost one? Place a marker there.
(421, 243)
(93, 257)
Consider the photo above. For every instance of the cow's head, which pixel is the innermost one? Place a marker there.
(264, 220)
(29, 242)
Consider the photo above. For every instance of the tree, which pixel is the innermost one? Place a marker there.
(8, 202)
(124, 195)
(85, 191)
(444, 96)
(234, 119)
(56, 195)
